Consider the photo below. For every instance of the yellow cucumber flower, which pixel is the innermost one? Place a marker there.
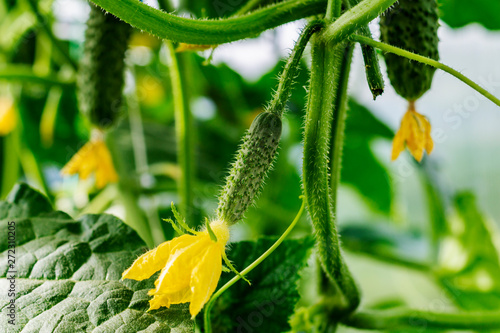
(190, 266)
(415, 132)
(8, 117)
(93, 157)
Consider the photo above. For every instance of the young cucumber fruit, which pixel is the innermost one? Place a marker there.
(100, 77)
(411, 25)
(254, 159)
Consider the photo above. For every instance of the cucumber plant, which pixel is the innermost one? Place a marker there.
(87, 255)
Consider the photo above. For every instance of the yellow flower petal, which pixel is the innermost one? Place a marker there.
(190, 268)
(149, 263)
(204, 279)
(165, 300)
(173, 276)
(415, 132)
(93, 157)
(8, 118)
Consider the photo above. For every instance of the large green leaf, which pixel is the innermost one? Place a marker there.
(360, 168)
(458, 13)
(266, 305)
(68, 273)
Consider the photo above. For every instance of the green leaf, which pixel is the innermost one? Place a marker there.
(266, 305)
(360, 168)
(68, 272)
(458, 13)
(472, 277)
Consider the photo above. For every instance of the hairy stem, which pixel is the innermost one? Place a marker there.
(328, 64)
(289, 72)
(355, 18)
(210, 32)
(431, 62)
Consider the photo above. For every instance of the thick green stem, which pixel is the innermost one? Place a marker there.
(355, 18)
(287, 76)
(210, 32)
(328, 62)
(407, 319)
(431, 62)
(184, 133)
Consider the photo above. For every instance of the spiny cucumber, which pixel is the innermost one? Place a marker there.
(411, 25)
(258, 149)
(254, 159)
(101, 77)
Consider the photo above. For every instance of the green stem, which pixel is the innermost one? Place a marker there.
(388, 258)
(431, 62)
(101, 201)
(184, 133)
(26, 74)
(338, 124)
(347, 283)
(32, 170)
(210, 32)
(247, 7)
(287, 76)
(57, 43)
(137, 135)
(436, 209)
(211, 302)
(326, 78)
(370, 57)
(354, 18)
(333, 10)
(10, 170)
(127, 196)
(407, 319)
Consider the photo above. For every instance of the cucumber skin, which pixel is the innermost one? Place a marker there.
(101, 72)
(411, 25)
(254, 159)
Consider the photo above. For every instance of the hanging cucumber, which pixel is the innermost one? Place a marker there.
(100, 77)
(258, 150)
(411, 25)
(254, 159)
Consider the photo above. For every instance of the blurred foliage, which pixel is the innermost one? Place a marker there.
(458, 13)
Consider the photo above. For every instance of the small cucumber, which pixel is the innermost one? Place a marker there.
(411, 25)
(101, 73)
(254, 159)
